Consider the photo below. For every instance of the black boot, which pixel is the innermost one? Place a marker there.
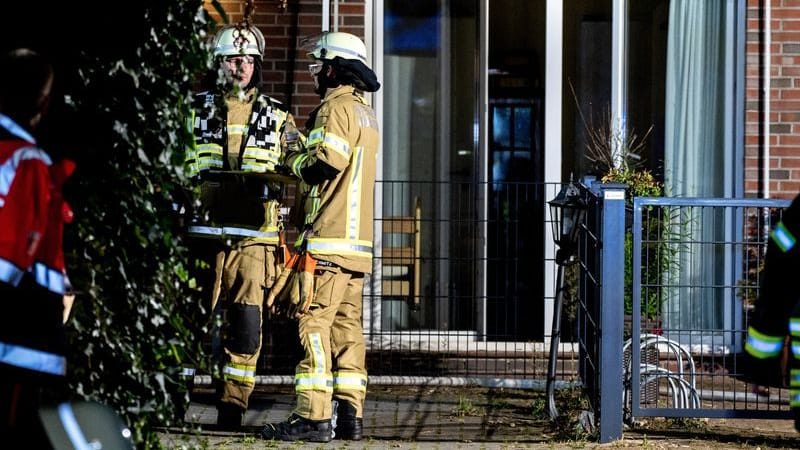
(348, 426)
(297, 428)
(229, 416)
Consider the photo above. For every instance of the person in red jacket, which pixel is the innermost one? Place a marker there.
(33, 280)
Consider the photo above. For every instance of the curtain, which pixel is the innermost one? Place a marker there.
(694, 157)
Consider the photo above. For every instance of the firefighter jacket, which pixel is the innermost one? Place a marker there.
(32, 274)
(242, 135)
(777, 309)
(337, 169)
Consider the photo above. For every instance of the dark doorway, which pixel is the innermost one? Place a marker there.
(515, 290)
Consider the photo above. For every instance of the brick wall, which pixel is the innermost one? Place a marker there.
(784, 99)
(286, 79)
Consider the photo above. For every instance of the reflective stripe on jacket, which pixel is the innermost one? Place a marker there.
(261, 145)
(237, 207)
(32, 275)
(32, 211)
(32, 359)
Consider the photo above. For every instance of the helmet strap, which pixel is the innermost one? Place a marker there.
(325, 80)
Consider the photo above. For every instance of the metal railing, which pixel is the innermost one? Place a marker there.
(695, 274)
(670, 329)
(600, 307)
(467, 302)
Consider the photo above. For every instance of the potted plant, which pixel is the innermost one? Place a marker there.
(616, 156)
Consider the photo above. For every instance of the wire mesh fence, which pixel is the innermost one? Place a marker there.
(458, 288)
(695, 276)
(463, 284)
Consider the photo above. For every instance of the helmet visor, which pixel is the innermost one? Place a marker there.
(312, 45)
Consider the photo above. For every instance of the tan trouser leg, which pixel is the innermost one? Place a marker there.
(243, 278)
(348, 350)
(313, 377)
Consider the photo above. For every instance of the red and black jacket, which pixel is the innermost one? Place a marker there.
(32, 274)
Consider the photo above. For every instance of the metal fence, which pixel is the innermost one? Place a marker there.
(459, 292)
(599, 296)
(475, 309)
(695, 275)
(464, 276)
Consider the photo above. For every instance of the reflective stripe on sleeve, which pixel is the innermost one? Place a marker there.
(10, 273)
(794, 388)
(315, 137)
(337, 144)
(783, 237)
(31, 359)
(15, 129)
(50, 279)
(794, 378)
(297, 164)
(794, 398)
(315, 201)
(761, 345)
(8, 169)
(794, 326)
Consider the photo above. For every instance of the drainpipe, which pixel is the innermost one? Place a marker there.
(766, 74)
(619, 55)
(335, 15)
(294, 10)
(326, 15)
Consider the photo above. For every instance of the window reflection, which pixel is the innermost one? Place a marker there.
(522, 127)
(429, 150)
(501, 119)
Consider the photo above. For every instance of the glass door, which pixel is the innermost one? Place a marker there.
(430, 148)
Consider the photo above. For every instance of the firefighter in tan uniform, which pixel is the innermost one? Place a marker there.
(337, 169)
(239, 134)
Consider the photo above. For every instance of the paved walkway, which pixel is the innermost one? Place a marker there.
(464, 418)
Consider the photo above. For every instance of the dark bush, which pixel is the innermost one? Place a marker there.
(118, 110)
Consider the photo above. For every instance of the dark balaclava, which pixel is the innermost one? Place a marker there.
(355, 73)
(346, 72)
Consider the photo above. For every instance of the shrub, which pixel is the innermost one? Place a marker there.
(125, 80)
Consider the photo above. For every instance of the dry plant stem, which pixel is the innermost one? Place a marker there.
(602, 141)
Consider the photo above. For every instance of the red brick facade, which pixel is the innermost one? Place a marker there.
(784, 120)
(283, 29)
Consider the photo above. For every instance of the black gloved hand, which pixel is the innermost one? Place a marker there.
(283, 170)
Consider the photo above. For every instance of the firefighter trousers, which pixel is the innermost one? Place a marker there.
(333, 341)
(241, 274)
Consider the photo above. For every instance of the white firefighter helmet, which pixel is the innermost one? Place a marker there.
(234, 40)
(330, 44)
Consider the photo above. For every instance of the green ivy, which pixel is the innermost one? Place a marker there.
(136, 320)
